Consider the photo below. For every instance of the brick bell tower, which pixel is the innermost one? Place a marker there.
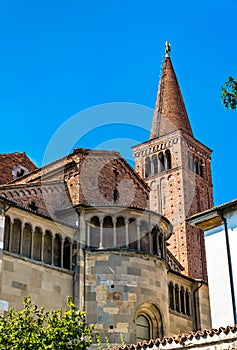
(177, 168)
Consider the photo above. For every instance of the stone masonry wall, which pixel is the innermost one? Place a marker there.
(47, 286)
(117, 285)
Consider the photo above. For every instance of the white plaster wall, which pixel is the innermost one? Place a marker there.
(218, 272)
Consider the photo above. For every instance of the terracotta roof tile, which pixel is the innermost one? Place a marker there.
(181, 339)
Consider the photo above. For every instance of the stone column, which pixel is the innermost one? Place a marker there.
(126, 232)
(10, 234)
(101, 234)
(138, 236)
(62, 250)
(42, 247)
(163, 246)
(115, 232)
(70, 255)
(2, 227)
(152, 166)
(4, 305)
(150, 240)
(52, 250)
(157, 242)
(21, 235)
(32, 242)
(187, 302)
(87, 234)
(173, 296)
(177, 298)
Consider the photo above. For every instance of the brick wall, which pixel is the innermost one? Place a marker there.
(89, 177)
(178, 193)
(8, 161)
(106, 178)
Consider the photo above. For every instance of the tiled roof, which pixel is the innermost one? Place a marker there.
(8, 161)
(84, 176)
(66, 160)
(192, 339)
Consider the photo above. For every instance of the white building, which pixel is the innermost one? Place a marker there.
(220, 227)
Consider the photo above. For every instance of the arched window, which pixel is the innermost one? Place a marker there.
(66, 254)
(27, 241)
(37, 244)
(132, 234)
(155, 163)
(171, 296)
(161, 245)
(182, 300)
(7, 230)
(47, 247)
(57, 250)
(201, 168)
(196, 166)
(190, 162)
(144, 236)
(16, 236)
(147, 167)
(168, 164)
(187, 299)
(94, 232)
(154, 237)
(161, 159)
(108, 232)
(121, 232)
(143, 328)
(148, 322)
(177, 304)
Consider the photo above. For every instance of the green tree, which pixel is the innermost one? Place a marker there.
(229, 93)
(35, 329)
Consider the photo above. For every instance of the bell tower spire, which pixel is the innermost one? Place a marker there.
(177, 169)
(170, 113)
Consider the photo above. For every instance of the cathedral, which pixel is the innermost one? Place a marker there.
(114, 238)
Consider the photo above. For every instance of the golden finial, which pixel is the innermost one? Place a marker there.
(167, 48)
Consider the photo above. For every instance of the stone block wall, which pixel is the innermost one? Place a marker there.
(118, 285)
(47, 286)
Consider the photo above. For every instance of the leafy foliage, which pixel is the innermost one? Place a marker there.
(35, 329)
(107, 343)
(98, 340)
(229, 93)
(122, 339)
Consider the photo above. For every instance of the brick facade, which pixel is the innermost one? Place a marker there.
(85, 176)
(177, 169)
(13, 165)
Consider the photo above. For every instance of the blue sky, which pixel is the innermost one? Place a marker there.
(59, 58)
